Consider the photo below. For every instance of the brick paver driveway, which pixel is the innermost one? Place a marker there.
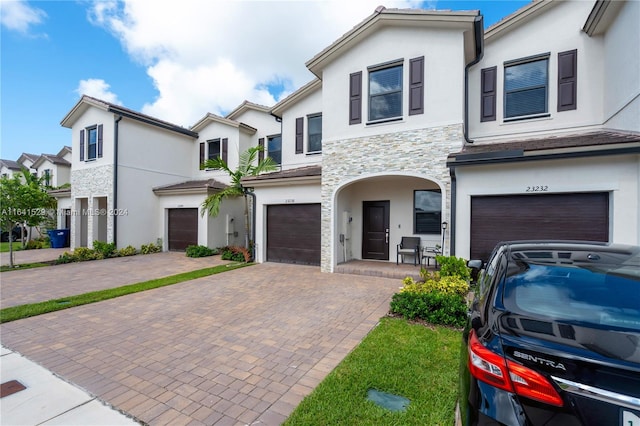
(54, 282)
(242, 347)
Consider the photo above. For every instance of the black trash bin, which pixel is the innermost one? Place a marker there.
(59, 238)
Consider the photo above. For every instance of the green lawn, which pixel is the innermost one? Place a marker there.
(414, 361)
(4, 247)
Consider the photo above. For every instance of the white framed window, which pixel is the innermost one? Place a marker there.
(314, 133)
(213, 149)
(385, 91)
(274, 148)
(526, 87)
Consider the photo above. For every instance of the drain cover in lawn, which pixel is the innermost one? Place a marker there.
(387, 400)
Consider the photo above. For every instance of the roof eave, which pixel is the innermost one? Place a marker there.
(296, 97)
(384, 16)
(520, 15)
(282, 181)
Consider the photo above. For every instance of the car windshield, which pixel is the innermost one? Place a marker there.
(601, 295)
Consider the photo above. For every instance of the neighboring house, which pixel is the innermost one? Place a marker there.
(54, 169)
(417, 123)
(119, 156)
(137, 180)
(554, 115)
(26, 160)
(8, 168)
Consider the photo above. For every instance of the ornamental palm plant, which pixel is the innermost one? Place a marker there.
(247, 166)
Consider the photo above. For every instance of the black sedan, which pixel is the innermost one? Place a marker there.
(554, 337)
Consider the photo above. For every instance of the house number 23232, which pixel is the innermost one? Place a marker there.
(537, 188)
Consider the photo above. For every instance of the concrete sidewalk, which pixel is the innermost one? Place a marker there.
(49, 400)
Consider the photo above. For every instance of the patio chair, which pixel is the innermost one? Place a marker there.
(409, 246)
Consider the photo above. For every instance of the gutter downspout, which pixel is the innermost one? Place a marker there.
(478, 27)
(116, 126)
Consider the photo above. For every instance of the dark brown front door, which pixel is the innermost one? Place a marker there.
(293, 233)
(183, 228)
(581, 216)
(375, 230)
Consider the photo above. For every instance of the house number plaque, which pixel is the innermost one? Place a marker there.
(537, 188)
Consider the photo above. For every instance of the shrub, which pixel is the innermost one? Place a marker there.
(150, 248)
(127, 251)
(446, 285)
(434, 307)
(66, 257)
(200, 251)
(235, 253)
(34, 244)
(105, 250)
(85, 253)
(452, 266)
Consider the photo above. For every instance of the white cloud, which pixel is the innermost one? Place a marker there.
(20, 16)
(99, 89)
(209, 56)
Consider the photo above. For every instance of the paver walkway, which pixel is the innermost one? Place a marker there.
(242, 347)
(32, 256)
(53, 282)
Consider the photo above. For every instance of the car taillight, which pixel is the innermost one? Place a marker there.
(489, 367)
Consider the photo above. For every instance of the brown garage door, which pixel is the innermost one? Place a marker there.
(533, 217)
(293, 233)
(183, 228)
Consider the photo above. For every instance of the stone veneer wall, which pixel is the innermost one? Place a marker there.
(422, 151)
(89, 183)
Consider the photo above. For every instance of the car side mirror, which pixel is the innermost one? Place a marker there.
(475, 265)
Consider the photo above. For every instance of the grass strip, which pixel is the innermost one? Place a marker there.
(410, 360)
(14, 313)
(20, 267)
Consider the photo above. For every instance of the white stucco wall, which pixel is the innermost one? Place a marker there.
(622, 70)
(148, 157)
(93, 117)
(557, 29)
(216, 130)
(444, 77)
(311, 104)
(619, 175)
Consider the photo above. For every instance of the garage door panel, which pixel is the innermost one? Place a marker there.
(183, 228)
(533, 217)
(293, 233)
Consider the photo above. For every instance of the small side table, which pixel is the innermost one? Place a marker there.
(429, 253)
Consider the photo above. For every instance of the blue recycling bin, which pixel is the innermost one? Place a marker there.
(59, 238)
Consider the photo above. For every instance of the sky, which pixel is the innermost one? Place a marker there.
(176, 61)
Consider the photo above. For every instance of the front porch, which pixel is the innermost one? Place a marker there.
(380, 269)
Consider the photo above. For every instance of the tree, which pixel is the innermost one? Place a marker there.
(248, 166)
(22, 203)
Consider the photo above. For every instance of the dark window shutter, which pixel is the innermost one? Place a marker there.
(567, 80)
(355, 98)
(81, 145)
(201, 158)
(488, 96)
(299, 135)
(223, 149)
(100, 141)
(416, 86)
(261, 152)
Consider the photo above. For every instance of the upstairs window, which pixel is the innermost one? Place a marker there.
(427, 210)
(274, 148)
(47, 177)
(315, 133)
(385, 91)
(92, 143)
(526, 87)
(213, 149)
